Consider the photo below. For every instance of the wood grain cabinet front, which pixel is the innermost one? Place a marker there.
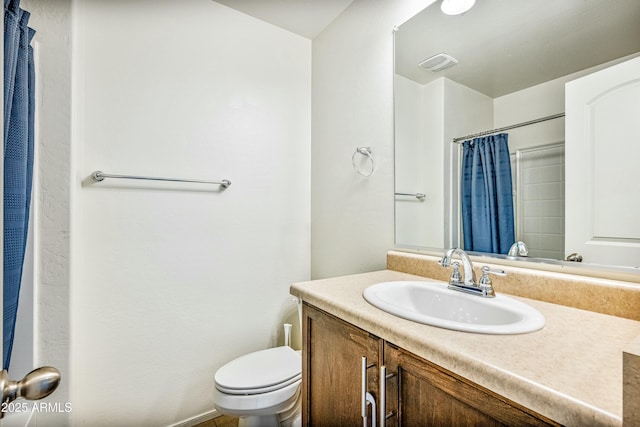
(420, 393)
(415, 392)
(332, 370)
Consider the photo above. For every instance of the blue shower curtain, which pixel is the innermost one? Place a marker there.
(487, 203)
(19, 107)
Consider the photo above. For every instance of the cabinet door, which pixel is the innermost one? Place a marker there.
(332, 369)
(423, 394)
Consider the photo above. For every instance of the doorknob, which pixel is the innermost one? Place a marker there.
(35, 385)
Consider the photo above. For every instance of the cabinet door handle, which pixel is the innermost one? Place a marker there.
(363, 394)
(371, 401)
(367, 398)
(383, 395)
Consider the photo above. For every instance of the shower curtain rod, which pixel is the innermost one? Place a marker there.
(491, 132)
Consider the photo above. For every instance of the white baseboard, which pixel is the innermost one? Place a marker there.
(190, 422)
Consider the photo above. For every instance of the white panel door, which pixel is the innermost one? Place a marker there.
(602, 189)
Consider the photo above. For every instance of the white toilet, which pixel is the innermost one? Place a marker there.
(261, 388)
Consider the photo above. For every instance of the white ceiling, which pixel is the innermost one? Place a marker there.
(508, 45)
(303, 17)
(502, 45)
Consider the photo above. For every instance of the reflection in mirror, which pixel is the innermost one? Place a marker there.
(514, 58)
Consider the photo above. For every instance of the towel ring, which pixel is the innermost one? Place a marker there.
(365, 151)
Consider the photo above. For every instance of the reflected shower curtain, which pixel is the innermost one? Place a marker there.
(19, 108)
(487, 203)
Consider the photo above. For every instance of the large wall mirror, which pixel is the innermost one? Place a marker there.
(508, 64)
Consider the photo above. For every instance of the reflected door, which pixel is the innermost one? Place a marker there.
(603, 166)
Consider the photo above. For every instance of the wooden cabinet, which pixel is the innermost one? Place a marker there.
(416, 391)
(421, 393)
(332, 369)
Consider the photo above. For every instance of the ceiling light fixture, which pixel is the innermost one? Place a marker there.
(456, 7)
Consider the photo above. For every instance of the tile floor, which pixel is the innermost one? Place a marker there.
(223, 421)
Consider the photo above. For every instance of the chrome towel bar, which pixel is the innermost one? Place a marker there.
(100, 176)
(418, 196)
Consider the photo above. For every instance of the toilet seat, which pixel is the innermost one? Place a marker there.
(260, 372)
(259, 390)
(257, 404)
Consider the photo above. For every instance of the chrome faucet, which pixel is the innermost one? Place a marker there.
(518, 249)
(484, 288)
(467, 266)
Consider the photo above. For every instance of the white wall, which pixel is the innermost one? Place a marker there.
(418, 121)
(352, 96)
(169, 281)
(23, 351)
(528, 104)
(51, 200)
(172, 281)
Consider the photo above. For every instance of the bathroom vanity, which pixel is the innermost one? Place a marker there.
(418, 392)
(568, 373)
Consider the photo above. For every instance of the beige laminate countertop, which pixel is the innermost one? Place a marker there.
(570, 371)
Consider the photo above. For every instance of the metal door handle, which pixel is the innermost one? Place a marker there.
(383, 395)
(363, 394)
(37, 384)
(367, 398)
(371, 401)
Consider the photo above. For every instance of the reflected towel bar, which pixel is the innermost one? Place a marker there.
(419, 196)
(100, 176)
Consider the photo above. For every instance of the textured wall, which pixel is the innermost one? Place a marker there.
(52, 216)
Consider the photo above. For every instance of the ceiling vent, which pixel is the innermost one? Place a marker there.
(438, 62)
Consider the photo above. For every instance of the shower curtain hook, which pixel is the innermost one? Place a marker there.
(365, 151)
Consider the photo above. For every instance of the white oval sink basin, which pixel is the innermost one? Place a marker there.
(432, 303)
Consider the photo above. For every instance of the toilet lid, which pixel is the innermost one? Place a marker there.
(259, 372)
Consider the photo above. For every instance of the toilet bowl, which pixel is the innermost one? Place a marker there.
(261, 388)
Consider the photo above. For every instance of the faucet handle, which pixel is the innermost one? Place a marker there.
(486, 270)
(485, 281)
